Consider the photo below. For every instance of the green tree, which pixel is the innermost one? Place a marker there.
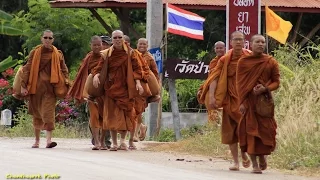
(72, 28)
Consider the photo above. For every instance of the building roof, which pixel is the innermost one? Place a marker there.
(312, 6)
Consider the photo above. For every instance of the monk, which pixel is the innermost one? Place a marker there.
(122, 85)
(221, 86)
(106, 42)
(141, 102)
(220, 50)
(127, 40)
(40, 74)
(95, 108)
(257, 75)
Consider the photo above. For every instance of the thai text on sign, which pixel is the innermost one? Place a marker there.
(186, 69)
(243, 16)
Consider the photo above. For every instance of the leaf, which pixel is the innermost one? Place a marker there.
(11, 31)
(5, 16)
(7, 63)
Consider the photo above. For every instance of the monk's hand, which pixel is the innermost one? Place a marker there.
(96, 80)
(139, 87)
(259, 89)
(24, 91)
(212, 103)
(243, 109)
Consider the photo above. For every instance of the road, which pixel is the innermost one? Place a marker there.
(73, 159)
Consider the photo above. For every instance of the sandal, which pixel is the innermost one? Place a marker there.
(51, 145)
(246, 163)
(256, 171)
(96, 148)
(123, 146)
(104, 148)
(114, 148)
(36, 145)
(132, 147)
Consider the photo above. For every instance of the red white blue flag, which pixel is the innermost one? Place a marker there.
(184, 23)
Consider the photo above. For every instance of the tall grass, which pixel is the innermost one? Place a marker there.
(298, 117)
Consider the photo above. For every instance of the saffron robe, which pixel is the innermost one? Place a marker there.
(257, 134)
(39, 74)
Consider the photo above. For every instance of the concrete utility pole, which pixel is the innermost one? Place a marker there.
(174, 107)
(154, 37)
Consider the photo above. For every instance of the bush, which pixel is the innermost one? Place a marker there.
(24, 127)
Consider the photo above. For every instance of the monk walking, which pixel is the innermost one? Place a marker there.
(220, 50)
(222, 93)
(40, 74)
(257, 75)
(122, 85)
(95, 108)
(141, 102)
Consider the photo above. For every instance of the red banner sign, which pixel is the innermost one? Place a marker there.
(243, 16)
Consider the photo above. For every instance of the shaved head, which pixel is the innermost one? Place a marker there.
(142, 45)
(220, 48)
(47, 31)
(256, 36)
(94, 38)
(143, 39)
(236, 33)
(126, 38)
(117, 39)
(117, 32)
(219, 43)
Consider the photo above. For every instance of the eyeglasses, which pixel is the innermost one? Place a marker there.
(117, 37)
(238, 39)
(47, 37)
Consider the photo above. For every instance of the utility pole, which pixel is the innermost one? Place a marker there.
(154, 36)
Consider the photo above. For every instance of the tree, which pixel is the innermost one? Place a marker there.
(72, 28)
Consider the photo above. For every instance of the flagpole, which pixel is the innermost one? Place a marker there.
(265, 30)
(267, 38)
(267, 42)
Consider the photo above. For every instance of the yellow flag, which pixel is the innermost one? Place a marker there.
(276, 27)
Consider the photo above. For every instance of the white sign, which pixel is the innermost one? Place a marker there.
(6, 117)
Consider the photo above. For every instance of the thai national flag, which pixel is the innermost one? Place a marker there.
(184, 23)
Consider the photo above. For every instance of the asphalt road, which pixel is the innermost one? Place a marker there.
(73, 159)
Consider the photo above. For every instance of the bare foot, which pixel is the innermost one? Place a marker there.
(235, 167)
(143, 132)
(263, 163)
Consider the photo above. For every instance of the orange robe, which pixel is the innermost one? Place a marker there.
(76, 91)
(151, 63)
(212, 113)
(38, 75)
(257, 135)
(123, 67)
(213, 63)
(225, 72)
(148, 63)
